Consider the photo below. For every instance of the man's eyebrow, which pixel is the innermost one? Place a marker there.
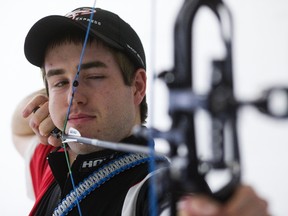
(94, 64)
(54, 72)
(88, 65)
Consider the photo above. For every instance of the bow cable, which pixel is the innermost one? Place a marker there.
(152, 163)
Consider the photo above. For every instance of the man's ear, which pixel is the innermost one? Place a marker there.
(139, 84)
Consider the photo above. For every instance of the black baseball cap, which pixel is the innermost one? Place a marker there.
(105, 25)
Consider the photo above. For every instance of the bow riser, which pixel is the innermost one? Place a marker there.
(219, 103)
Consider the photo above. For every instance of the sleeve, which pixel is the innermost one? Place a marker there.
(38, 173)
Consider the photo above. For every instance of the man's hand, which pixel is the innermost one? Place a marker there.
(37, 113)
(245, 202)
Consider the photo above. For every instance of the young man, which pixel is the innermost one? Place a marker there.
(105, 101)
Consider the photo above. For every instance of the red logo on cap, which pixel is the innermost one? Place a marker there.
(80, 12)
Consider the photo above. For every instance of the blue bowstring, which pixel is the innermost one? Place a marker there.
(152, 164)
(70, 105)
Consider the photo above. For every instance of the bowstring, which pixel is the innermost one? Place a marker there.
(152, 163)
(74, 87)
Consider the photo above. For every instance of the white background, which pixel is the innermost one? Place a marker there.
(260, 60)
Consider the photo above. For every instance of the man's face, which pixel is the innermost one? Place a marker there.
(103, 106)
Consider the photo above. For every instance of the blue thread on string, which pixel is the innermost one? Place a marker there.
(70, 104)
(152, 163)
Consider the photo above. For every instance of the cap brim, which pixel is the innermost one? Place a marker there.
(45, 29)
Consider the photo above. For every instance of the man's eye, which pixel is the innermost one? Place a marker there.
(61, 83)
(96, 77)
